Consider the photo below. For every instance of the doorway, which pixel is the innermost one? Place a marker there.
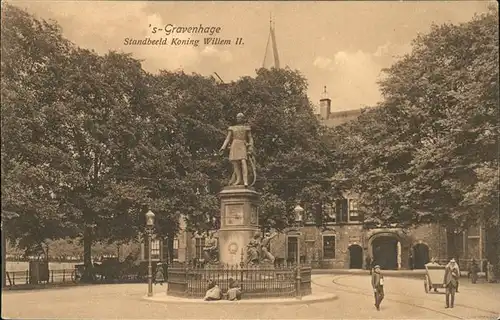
(292, 245)
(385, 252)
(420, 255)
(355, 257)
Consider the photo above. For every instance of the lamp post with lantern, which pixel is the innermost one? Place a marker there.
(150, 222)
(299, 211)
(299, 216)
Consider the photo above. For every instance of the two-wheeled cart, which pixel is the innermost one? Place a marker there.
(434, 277)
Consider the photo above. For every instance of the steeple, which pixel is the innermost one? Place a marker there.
(324, 94)
(271, 57)
(325, 105)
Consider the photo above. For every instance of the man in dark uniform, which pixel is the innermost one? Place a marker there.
(378, 286)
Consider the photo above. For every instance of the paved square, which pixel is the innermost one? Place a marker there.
(405, 299)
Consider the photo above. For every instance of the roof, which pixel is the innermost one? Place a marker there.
(340, 117)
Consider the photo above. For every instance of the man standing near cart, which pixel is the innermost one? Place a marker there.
(451, 275)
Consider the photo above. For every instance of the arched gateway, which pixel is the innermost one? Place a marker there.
(420, 255)
(386, 250)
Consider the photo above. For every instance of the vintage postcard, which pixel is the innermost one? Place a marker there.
(250, 160)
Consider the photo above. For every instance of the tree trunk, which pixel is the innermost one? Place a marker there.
(88, 275)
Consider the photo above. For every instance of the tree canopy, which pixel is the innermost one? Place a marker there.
(429, 151)
(91, 142)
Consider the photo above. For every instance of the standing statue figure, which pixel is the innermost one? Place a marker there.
(210, 251)
(253, 249)
(241, 151)
(266, 247)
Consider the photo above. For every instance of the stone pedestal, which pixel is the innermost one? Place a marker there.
(239, 222)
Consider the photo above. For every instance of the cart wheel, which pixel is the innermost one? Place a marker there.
(426, 285)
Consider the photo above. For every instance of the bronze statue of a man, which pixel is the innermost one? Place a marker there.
(240, 152)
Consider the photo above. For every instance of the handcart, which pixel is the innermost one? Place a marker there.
(434, 277)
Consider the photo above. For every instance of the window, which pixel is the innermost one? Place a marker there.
(309, 214)
(292, 246)
(328, 247)
(342, 210)
(330, 213)
(473, 232)
(353, 210)
(200, 244)
(155, 249)
(353, 205)
(175, 253)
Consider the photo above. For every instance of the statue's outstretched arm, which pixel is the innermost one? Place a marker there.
(226, 142)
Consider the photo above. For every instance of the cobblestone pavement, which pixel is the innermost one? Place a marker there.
(405, 299)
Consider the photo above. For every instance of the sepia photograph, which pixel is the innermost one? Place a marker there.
(250, 159)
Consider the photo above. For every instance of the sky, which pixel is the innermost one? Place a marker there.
(340, 45)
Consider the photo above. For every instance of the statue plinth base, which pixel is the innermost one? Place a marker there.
(239, 222)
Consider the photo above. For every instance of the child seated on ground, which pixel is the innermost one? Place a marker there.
(234, 291)
(213, 292)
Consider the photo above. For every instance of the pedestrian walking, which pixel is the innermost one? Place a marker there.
(451, 282)
(378, 286)
(474, 270)
(159, 275)
(489, 273)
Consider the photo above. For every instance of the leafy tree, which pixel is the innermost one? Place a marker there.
(99, 136)
(31, 52)
(186, 117)
(447, 90)
(428, 152)
(70, 136)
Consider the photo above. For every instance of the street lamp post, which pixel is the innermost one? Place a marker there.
(299, 212)
(150, 221)
(298, 220)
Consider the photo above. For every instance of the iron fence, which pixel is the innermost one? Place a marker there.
(255, 282)
(59, 276)
(16, 278)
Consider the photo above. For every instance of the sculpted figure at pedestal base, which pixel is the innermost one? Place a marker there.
(253, 249)
(259, 251)
(210, 251)
(266, 248)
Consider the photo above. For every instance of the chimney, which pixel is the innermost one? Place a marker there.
(325, 104)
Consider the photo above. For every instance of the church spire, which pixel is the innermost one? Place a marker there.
(271, 57)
